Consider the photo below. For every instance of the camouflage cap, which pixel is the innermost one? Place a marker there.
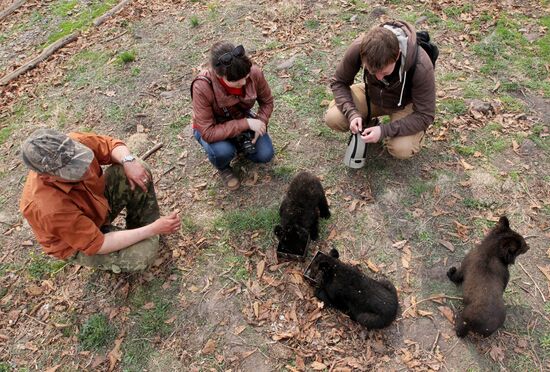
(54, 153)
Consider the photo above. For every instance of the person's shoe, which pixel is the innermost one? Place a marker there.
(229, 178)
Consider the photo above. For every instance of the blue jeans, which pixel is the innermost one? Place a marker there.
(221, 153)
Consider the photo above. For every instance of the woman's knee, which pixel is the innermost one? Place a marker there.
(220, 153)
(264, 150)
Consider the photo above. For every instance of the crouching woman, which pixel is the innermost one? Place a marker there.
(223, 97)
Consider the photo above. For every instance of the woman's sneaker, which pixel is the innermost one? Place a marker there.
(229, 178)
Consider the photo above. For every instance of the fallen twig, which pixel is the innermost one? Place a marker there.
(168, 170)
(152, 151)
(434, 345)
(99, 20)
(42, 56)
(431, 299)
(10, 9)
(116, 37)
(539, 364)
(36, 320)
(533, 280)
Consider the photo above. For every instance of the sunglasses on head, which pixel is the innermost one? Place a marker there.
(227, 58)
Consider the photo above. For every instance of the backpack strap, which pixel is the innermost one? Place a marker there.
(226, 112)
(369, 113)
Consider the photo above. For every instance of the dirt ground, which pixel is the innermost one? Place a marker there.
(217, 299)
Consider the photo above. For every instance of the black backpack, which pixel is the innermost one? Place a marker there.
(423, 39)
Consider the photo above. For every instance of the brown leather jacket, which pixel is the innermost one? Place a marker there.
(209, 102)
(420, 90)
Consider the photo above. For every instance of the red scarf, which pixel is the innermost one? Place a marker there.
(231, 90)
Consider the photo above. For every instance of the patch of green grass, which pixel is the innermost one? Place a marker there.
(507, 53)
(522, 363)
(251, 219)
(96, 333)
(125, 57)
(475, 204)
(62, 8)
(86, 67)
(465, 150)
(79, 21)
(514, 176)
(5, 133)
(543, 143)
(114, 113)
(5, 367)
(176, 127)
(544, 342)
(284, 172)
(273, 44)
(425, 236)
(452, 107)
(512, 104)
(419, 187)
(475, 88)
(41, 265)
(455, 11)
(312, 24)
(188, 225)
(135, 71)
(194, 21)
(148, 321)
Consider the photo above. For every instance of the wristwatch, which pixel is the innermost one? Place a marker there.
(128, 158)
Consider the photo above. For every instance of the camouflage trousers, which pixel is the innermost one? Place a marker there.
(141, 209)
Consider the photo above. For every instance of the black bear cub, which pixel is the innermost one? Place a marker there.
(372, 303)
(484, 275)
(302, 205)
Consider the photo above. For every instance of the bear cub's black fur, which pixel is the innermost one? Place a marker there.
(302, 205)
(484, 275)
(372, 303)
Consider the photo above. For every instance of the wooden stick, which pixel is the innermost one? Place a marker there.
(42, 56)
(431, 299)
(116, 37)
(152, 151)
(533, 280)
(99, 20)
(434, 345)
(10, 9)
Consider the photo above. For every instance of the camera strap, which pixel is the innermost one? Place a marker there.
(226, 112)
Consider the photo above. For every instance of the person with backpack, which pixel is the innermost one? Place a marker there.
(223, 121)
(398, 81)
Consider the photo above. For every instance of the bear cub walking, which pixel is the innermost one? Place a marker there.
(302, 205)
(371, 303)
(484, 275)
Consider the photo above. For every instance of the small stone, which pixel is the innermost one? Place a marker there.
(167, 95)
(286, 64)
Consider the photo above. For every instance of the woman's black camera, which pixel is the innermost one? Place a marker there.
(244, 142)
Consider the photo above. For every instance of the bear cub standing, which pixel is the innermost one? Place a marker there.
(303, 203)
(371, 303)
(484, 275)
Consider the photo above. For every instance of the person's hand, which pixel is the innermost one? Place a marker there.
(356, 125)
(167, 224)
(136, 174)
(258, 127)
(371, 134)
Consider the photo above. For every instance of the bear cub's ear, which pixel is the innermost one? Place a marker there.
(334, 253)
(503, 224)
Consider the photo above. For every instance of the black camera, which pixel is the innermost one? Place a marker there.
(244, 142)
